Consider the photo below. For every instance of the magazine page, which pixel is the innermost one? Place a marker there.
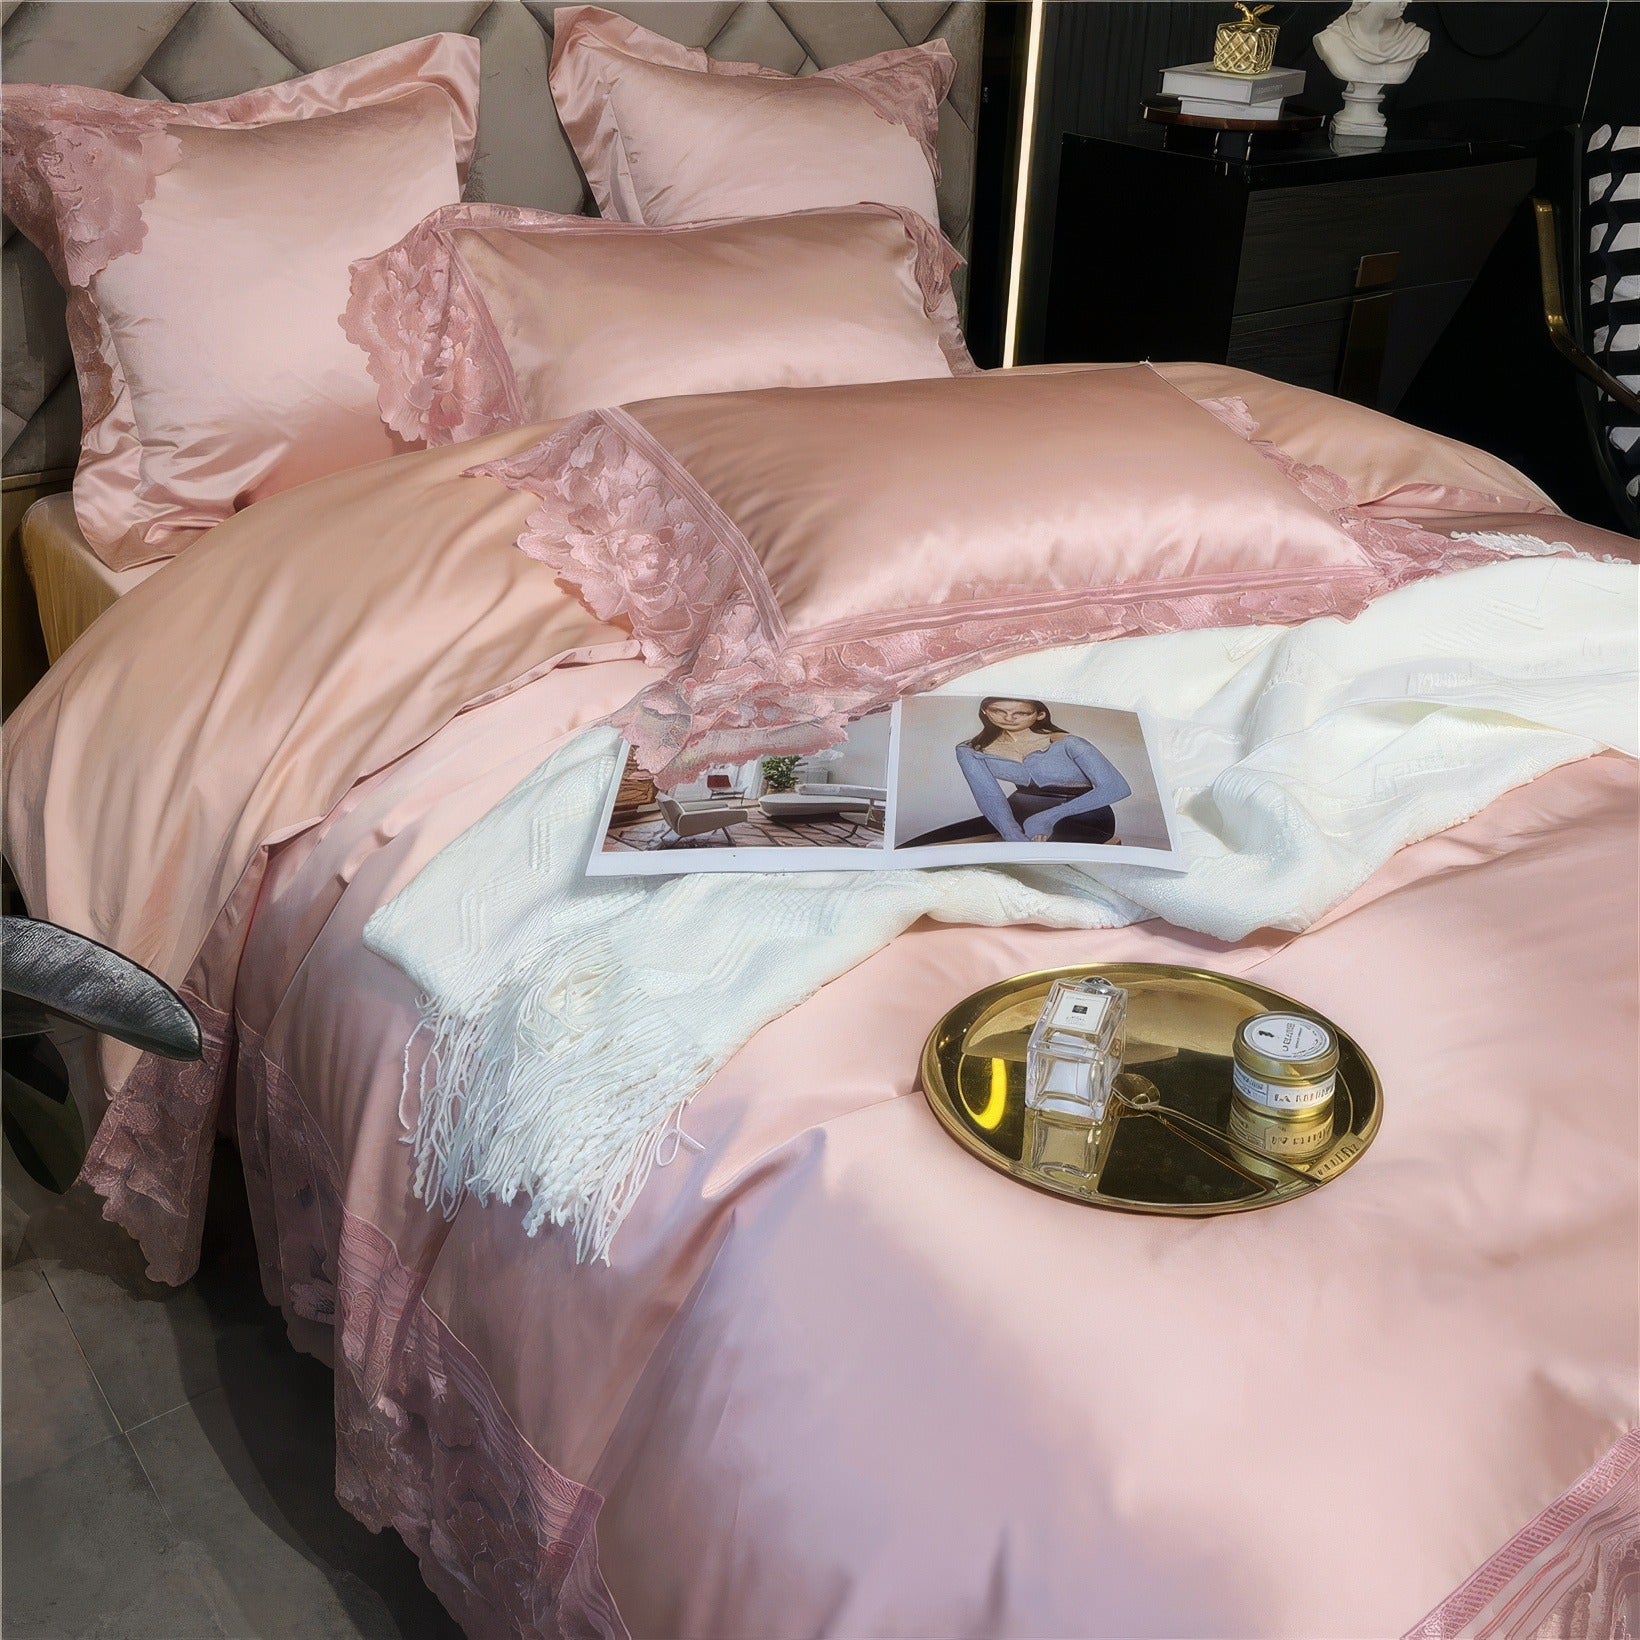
(828, 812)
(979, 778)
(937, 780)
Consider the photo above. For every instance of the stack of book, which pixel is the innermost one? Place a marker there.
(1204, 90)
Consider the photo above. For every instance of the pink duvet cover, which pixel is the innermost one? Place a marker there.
(838, 1378)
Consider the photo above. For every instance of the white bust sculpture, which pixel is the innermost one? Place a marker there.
(1370, 46)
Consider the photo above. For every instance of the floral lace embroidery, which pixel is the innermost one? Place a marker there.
(937, 260)
(76, 174)
(637, 537)
(905, 88)
(76, 168)
(150, 1159)
(633, 546)
(1572, 1571)
(1233, 412)
(423, 1442)
(427, 347)
(442, 374)
(86, 341)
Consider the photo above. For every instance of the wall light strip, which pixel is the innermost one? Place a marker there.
(1027, 145)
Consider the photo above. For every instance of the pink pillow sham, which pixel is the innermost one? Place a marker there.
(667, 134)
(490, 316)
(1388, 465)
(794, 558)
(205, 248)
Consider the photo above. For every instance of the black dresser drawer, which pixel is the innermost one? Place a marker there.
(1303, 244)
(1169, 253)
(1301, 344)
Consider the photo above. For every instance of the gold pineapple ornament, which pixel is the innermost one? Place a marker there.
(1247, 46)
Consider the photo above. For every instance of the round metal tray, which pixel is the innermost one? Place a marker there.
(1175, 1154)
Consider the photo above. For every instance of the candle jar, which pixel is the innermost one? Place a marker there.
(1074, 1054)
(1291, 1139)
(1285, 1065)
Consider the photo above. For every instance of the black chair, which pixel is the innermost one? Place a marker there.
(50, 976)
(1589, 265)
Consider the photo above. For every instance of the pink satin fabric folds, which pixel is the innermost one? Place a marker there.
(841, 1380)
(487, 316)
(205, 248)
(838, 1378)
(666, 133)
(798, 558)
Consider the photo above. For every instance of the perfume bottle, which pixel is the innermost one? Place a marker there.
(1074, 1054)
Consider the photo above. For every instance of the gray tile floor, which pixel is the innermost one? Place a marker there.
(166, 1465)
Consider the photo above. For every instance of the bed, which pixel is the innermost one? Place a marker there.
(832, 1376)
(72, 585)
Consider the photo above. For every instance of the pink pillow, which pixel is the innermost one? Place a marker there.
(797, 557)
(490, 316)
(667, 134)
(205, 248)
(1387, 464)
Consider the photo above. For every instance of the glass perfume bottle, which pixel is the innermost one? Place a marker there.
(1074, 1054)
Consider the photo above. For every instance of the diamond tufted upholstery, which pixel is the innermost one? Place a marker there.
(171, 50)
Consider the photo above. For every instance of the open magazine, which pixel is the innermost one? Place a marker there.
(936, 780)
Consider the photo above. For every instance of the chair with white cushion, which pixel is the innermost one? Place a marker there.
(697, 819)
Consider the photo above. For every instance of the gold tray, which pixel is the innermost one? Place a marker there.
(1177, 1156)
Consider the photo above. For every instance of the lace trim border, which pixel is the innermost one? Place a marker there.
(1574, 1570)
(441, 370)
(632, 532)
(424, 1443)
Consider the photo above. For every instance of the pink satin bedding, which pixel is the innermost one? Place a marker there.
(838, 1378)
(796, 558)
(210, 366)
(666, 133)
(492, 316)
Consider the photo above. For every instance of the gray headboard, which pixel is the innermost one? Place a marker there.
(214, 48)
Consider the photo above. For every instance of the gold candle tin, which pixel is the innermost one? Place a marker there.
(1247, 47)
(1285, 1065)
(1287, 1138)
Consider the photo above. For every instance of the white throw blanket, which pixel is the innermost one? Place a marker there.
(571, 1018)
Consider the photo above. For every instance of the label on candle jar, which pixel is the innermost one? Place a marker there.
(1285, 1095)
(1288, 1036)
(1285, 1063)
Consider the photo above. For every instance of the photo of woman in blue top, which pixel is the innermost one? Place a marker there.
(1063, 788)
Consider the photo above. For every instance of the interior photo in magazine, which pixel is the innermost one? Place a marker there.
(815, 811)
(941, 779)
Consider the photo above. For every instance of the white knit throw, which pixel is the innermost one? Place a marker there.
(569, 1019)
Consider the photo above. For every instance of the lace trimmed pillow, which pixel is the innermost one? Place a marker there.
(492, 316)
(667, 134)
(205, 250)
(793, 559)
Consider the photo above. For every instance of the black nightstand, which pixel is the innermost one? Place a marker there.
(1337, 272)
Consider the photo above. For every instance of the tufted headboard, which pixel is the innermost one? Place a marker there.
(175, 51)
